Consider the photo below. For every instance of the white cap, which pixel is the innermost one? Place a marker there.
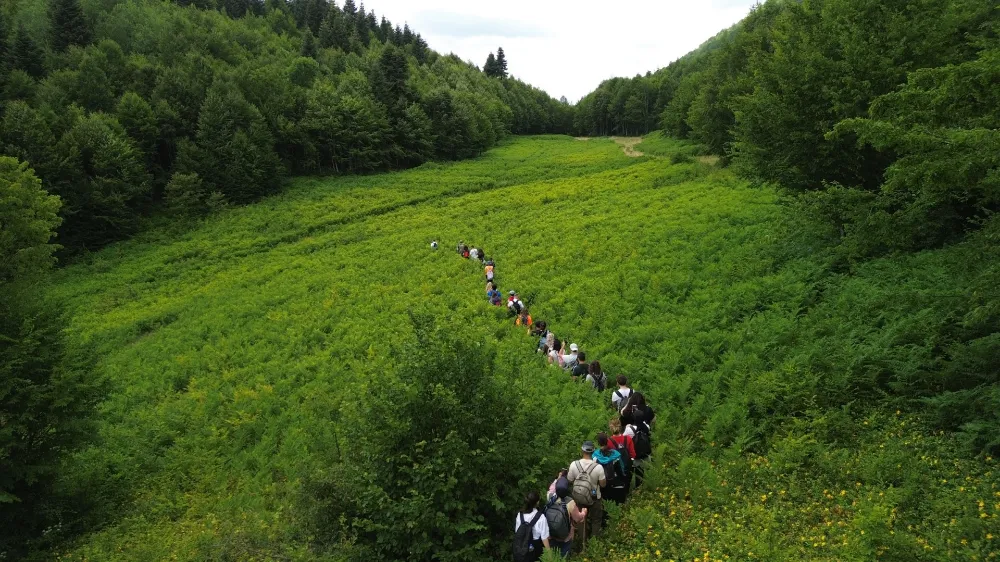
(573, 347)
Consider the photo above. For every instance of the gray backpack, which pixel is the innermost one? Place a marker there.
(584, 492)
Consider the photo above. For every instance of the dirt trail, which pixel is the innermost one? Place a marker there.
(628, 145)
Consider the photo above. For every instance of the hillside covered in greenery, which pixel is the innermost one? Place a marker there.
(129, 108)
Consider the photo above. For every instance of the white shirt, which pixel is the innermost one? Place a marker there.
(620, 403)
(540, 531)
(569, 361)
(474, 254)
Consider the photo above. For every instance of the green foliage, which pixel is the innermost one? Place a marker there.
(29, 217)
(434, 447)
(235, 78)
(68, 25)
(252, 363)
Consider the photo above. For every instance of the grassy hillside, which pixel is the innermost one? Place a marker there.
(236, 355)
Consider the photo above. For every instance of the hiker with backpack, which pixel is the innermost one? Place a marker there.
(596, 376)
(638, 418)
(626, 447)
(488, 269)
(587, 478)
(620, 397)
(582, 367)
(563, 515)
(531, 531)
(523, 319)
(611, 461)
(493, 293)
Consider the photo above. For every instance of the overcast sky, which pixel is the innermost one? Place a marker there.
(567, 47)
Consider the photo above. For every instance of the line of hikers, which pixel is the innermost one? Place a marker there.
(574, 505)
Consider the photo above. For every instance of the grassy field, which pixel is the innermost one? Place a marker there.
(230, 351)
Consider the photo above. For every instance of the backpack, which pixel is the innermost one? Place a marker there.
(612, 474)
(524, 544)
(584, 493)
(601, 382)
(641, 442)
(622, 400)
(558, 517)
(622, 449)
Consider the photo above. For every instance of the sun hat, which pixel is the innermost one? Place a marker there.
(573, 347)
(512, 293)
(588, 447)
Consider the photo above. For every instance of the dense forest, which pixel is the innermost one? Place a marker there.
(130, 108)
(879, 118)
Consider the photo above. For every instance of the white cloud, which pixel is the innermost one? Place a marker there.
(567, 47)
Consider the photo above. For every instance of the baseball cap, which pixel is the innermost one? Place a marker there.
(573, 347)
(588, 447)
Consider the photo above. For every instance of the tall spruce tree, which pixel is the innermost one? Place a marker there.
(308, 45)
(350, 9)
(4, 61)
(69, 27)
(26, 54)
(501, 64)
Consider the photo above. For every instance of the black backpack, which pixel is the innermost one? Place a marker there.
(622, 449)
(641, 442)
(601, 381)
(524, 544)
(558, 517)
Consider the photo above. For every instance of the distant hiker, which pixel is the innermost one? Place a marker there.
(482, 256)
(434, 244)
(550, 346)
(489, 261)
(563, 515)
(474, 253)
(464, 251)
(539, 331)
(459, 246)
(531, 531)
(614, 469)
(596, 376)
(587, 478)
(569, 360)
(514, 304)
(582, 367)
(625, 446)
(492, 293)
(638, 420)
(620, 397)
(489, 271)
(523, 319)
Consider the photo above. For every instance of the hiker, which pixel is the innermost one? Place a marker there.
(523, 319)
(474, 253)
(596, 376)
(434, 244)
(582, 367)
(489, 271)
(638, 420)
(620, 397)
(482, 256)
(568, 361)
(492, 293)
(539, 331)
(626, 447)
(514, 304)
(551, 348)
(563, 515)
(587, 478)
(459, 246)
(614, 469)
(464, 251)
(528, 542)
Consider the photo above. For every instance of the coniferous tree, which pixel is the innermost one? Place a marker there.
(350, 9)
(26, 54)
(68, 25)
(385, 30)
(308, 45)
(501, 64)
(315, 12)
(3, 43)
(490, 68)
(361, 25)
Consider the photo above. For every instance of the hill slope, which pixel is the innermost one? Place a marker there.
(242, 360)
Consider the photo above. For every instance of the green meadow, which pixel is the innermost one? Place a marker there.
(237, 357)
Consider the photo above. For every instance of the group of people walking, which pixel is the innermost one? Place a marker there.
(573, 508)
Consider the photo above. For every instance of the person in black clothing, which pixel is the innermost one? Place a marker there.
(637, 412)
(582, 368)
